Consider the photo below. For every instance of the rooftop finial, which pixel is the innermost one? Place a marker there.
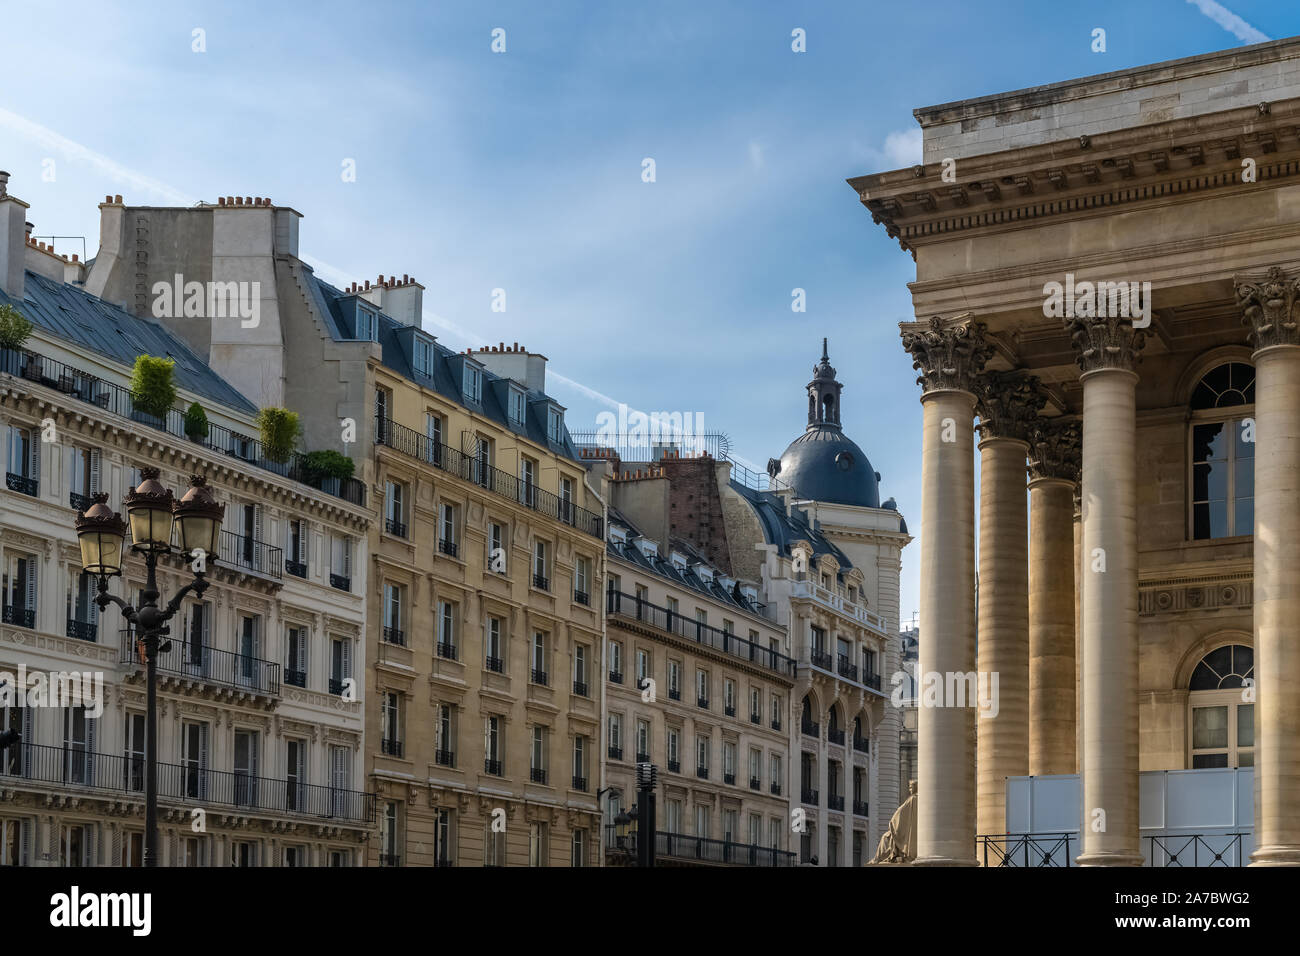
(825, 356)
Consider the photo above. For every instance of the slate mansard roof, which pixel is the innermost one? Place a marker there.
(69, 313)
(397, 342)
(783, 530)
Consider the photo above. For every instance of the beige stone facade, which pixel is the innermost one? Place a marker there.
(1180, 175)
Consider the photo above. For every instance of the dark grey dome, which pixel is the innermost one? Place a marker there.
(823, 463)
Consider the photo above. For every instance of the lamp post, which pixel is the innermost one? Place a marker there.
(101, 531)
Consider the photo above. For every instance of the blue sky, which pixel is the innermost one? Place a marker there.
(522, 170)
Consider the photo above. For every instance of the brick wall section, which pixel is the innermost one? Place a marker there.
(695, 508)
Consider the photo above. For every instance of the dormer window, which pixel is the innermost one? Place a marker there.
(648, 549)
(518, 406)
(678, 559)
(367, 323)
(472, 384)
(555, 425)
(617, 535)
(704, 573)
(423, 357)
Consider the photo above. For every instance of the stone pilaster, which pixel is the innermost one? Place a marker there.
(948, 353)
(1053, 476)
(1107, 351)
(1268, 302)
(1007, 405)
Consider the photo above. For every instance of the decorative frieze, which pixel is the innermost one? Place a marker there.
(1105, 342)
(1055, 447)
(1007, 404)
(1268, 302)
(949, 353)
(1184, 594)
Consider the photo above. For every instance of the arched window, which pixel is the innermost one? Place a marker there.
(1222, 724)
(1223, 452)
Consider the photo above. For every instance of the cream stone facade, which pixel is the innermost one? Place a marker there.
(260, 733)
(697, 686)
(1169, 407)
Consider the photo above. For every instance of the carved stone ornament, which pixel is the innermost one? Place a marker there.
(1105, 342)
(1268, 304)
(1007, 404)
(1054, 449)
(948, 353)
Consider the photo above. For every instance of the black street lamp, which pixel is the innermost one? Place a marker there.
(151, 511)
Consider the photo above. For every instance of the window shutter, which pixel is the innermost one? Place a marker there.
(347, 660)
(203, 761)
(94, 471)
(35, 447)
(31, 583)
(90, 752)
(347, 557)
(253, 747)
(25, 844)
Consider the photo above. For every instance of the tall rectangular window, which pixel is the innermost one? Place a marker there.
(496, 555)
(19, 588)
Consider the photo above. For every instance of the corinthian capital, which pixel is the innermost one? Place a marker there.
(1007, 404)
(1105, 342)
(1054, 449)
(1267, 300)
(948, 353)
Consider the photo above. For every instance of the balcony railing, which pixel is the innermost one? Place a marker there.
(495, 664)
(296, 678)
(776, 723)
(674, 766)
(395, 527)
(18, 616)
(208, 664)
(469, 468)
(755, 783)
(580, 688)
(580, 784)
(444, 758)
(447, 650)
(729, 779)
(810, 727)
(22, 484)
(702, 773)
(392, 748)
(541, 582)
(642, 757)
(681, 846)
(862, 745)
(834, 802)
(1060, 849)
(183, 784)
(672, 622)
(729, 710)
(846, 668)
(79, 502)
(537, 775)
(390, 859)
(871, 680)
(674, 693)
(615, 753)
(702, 703)
(82, 630)
(297, 568)
(775, 788)
(448, 547)
(395, 635)
(616, 677)
(820, 658)
(340, 581)
(251, 554)
(582, 597)
(809, 796)
(336, 686)
(835, 736)
(755, 718)
(492, 767)
(829, 599)
(113, 398)
(861, 808)
(539, 677)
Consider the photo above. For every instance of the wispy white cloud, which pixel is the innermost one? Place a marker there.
(903, 147)
(1225, 18)
(755, 154)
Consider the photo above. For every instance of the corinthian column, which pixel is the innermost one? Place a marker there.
(1053, 471)
(1007, 406)
(1269, 301)
(948, 354)
(1107, 352)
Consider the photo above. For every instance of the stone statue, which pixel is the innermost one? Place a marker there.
(898, 843)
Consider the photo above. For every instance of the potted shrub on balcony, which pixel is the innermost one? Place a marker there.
(326, 469)
(14, 330)
(280, 430)
(196, 423)
(153, 389)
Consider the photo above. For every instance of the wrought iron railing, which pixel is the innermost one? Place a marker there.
(22, 484)
(241, 551)
(681, 846)
(639, 609)
(18, 616)
(184, 783)
(1160, 850)
(470, 468)
(82, 630)
(208, 664)
(117, 399)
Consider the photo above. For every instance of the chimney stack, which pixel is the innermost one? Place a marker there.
(14, 230)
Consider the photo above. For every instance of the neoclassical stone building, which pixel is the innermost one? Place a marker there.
(1173, 420)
